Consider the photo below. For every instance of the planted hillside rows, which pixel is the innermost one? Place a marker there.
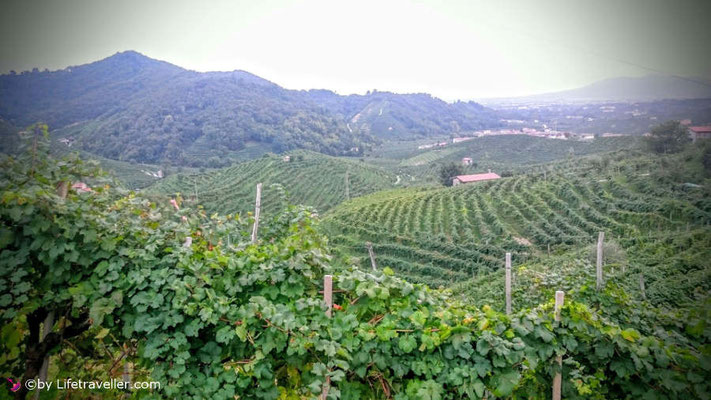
(308, 178)
(223, 318)
(566, 207)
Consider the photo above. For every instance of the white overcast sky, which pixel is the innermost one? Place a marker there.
(451, 49)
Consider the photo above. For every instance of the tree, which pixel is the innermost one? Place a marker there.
(667, 137)
(706, 158)
(449, 171)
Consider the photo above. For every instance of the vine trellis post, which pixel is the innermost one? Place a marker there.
(48, 323)
(558, 378)
(507, 285)
(598, 265)
(328, 300)
(371, 254)
(257, 207)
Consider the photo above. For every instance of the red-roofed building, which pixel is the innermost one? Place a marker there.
(81, 187)
(457, 180)
(700, 132)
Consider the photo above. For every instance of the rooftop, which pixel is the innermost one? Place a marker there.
(701, 129)
(477, 177)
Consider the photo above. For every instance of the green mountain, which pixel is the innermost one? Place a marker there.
(133, 108)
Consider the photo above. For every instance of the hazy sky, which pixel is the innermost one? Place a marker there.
(452, 49)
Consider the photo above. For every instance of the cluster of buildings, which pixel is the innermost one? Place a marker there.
(546, 133)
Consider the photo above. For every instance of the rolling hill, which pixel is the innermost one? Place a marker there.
(444, 236)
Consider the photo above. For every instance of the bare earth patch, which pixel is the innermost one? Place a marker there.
(522, 241)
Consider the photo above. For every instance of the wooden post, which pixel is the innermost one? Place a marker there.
(507, 285)
(257, 207)
(126, 372)
(48, 323)
(558, 378)
(62, 189)
(641, 286)
(600, 239)
(328, 293)
(328, 299)
(44, 369)
(369, 246)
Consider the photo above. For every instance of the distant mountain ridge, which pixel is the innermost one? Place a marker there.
(623, 89)
(133, 108)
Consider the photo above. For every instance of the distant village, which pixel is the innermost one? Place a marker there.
(546, 133)
(695, 132)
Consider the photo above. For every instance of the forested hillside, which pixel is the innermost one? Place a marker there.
(130, 107)
(406, 116)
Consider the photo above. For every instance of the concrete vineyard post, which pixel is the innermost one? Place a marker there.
(257, 207)
(369, 246)
(507, 284)
(598, 265)
(558, 378)
(328, 299)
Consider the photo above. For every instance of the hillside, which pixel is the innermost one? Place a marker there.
(130, 107)
(517, 150)
(190, 301)
(504, 154)
(405, 116)
(309, 178)
(444, 236)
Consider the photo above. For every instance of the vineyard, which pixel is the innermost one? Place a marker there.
(308, 178)
(514, 154)
(123, 284)
(443, 236)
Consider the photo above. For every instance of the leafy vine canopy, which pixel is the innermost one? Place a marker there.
(220, 317)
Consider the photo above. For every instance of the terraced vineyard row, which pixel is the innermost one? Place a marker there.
(309, 178)
(441, 236)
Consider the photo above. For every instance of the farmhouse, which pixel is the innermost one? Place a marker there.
(467, 161)
(700, 132)
(81, 187)
(460, 179)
